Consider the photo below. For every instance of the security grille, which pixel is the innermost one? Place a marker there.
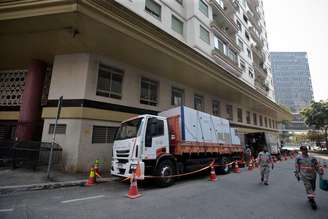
(103, 134)
(11, 87)
(60, 129)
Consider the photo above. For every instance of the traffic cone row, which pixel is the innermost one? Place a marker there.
(212, 173)
(236, 168)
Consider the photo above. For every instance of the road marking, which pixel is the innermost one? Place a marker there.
(82, 199)
(6, 210)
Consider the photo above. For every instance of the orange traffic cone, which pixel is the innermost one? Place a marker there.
(133, 191)
(92, 178)
(250, 165)
(236, 169)
(212, 174)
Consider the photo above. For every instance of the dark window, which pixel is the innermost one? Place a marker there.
(245, 18)
(216, 108)
(60, 129)
(247, 36)
(266, 122)
(270, 123)
(109, 82)
(248, 117)
(180, 2)
(148, 93)
(177, 97)
(249, 54)
(261, 120)
(199, 102)
(155, 128)
(203, 7)
(240, 115)
(229, 112)
(103, 134)
(254, 118)
(153, 8)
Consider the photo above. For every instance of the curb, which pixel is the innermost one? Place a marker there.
(43, 186)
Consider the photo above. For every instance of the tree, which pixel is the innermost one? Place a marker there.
(316, 116)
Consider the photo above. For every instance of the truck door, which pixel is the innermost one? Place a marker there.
(156, 138)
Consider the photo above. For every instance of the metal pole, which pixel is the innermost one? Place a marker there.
(54, 136)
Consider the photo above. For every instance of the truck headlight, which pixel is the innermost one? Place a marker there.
(133, 166)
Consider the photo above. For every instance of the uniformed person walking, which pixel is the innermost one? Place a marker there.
(264, 160)
(306, 169)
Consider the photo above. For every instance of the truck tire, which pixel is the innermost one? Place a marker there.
(165, 168)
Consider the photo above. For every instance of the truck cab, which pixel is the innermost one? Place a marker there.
(139, 140)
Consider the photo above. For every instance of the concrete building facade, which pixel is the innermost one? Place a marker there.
(111, 60)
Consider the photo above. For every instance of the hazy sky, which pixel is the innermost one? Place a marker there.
(301, 25)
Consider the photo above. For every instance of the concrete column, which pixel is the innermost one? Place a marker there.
(30, 109)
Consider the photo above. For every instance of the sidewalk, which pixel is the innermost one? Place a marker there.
(28, 180)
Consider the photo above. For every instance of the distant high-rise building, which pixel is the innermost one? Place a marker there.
(292, 83)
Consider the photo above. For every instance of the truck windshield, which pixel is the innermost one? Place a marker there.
(129, 129)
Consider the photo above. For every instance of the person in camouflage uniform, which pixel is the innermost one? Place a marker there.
(306, 169)
(264, 160)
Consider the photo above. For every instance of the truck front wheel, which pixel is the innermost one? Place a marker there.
(166, 168)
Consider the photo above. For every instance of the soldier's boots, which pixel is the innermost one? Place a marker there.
(313, 204)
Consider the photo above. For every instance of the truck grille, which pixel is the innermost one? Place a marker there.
(122, 161)
(122, 153)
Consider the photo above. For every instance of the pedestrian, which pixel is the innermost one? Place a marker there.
(248, 155)
(306, 169)
(264, 160)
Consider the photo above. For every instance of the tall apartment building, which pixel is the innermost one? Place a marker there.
(111, 60)
(292, 82)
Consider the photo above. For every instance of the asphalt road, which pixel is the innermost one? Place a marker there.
(232, 196)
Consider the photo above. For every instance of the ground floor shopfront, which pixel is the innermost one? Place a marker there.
(107, 70)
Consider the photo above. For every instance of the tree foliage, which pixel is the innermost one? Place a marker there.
(316, 117)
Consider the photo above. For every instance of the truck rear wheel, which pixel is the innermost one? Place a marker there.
(166, 168)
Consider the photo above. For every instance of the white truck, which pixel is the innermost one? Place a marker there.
(176, 141)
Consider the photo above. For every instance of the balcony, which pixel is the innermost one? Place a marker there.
(260, 73)
(225, 37)
(263, 88)
(226, 62)
(222, 17)
(256, 37)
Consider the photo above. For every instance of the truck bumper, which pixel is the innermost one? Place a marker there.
(126, 169)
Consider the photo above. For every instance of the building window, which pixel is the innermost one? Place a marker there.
(103, 134)
(251, 74)
(180, 2)
(242, 66)
(109, 82)
(177, 97)
(254, 119)
(203, 7)
(177, 25)
(273, 123)
(148, 93)
(232, 55)
(199, 102)
(241, 44)
(153, 8)
(265, 121)
(247, 36)
(239, 25)
(245, 18)
(204, 35)
(218, 44)
(270, 123)
(240, 115)
(229, 112)
(60, 129)
(249, 54)
(261, 120)
(248, 117)
(216, 108)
